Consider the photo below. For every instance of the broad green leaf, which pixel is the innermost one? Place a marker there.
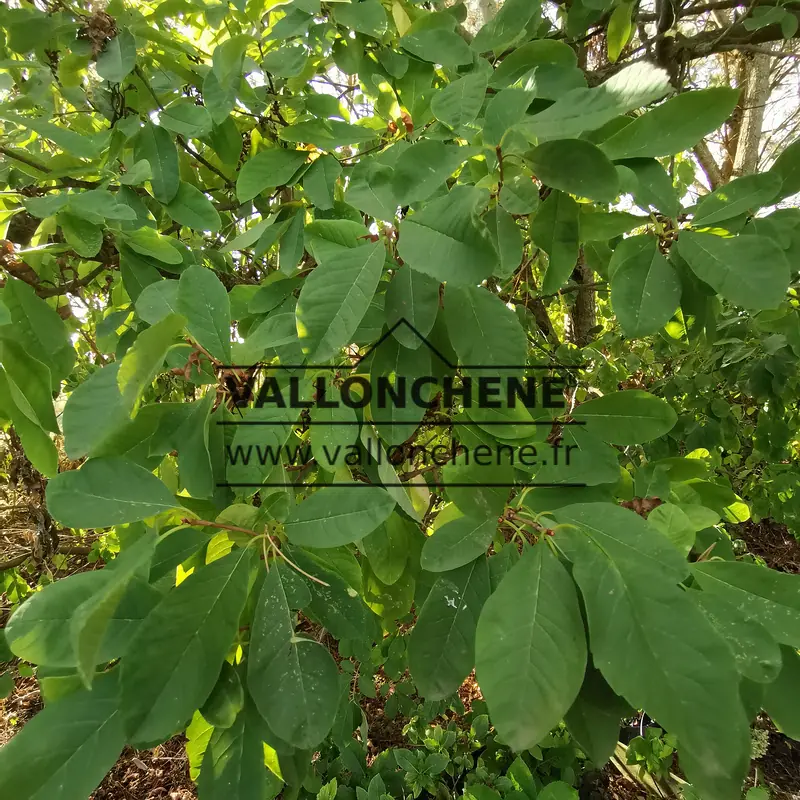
(106, 492)
(456, 543)
(387, 549)
(506, 26)
(627, 417)
(149, 242)
(782, 698)
(82, 236)
(91, 619)
(582, 457)
(267, 169)
(327, 134)
(38, 328)
(421, 170)
(519, 195)
(175, 658)
(186, 118)
(447, 240)
(577, 167)
(745, 194)
(288, 61)
(335, 297)
(769, 597)
(37, 631)
(530, 648)
(674, 524)
(64, 752)
(29, 383)
(436, 44)
(145, 359)
(233, 763)
(366, 17)
(194, 460)
(157, 301)
(226, 699)
(94, 411)
(750, 271)
(505, 110)
(190, 207)
(595, 718)
(555, 228)
(154, 144)
(758, 656)
(507, 238)
(320, 180)
(459, 103)
(370, 189)
(539, 53)
(588, 109)
(652, 186)
(175, 547)
(293, 680)
(414, 297)
(619, 30)
(787, 168)
(653, 645)
(484, 331)
(118, 57)
(676, 125)
(334, 516)
(71, 142)
(202, 299)
(598, 226)
(645, 288)
(441, 652)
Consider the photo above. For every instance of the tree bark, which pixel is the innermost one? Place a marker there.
(583, 315)
(755, 94)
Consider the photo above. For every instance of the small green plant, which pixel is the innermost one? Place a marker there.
(653, 752)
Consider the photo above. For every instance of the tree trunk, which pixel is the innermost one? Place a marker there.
(583, 315)
(755, 94)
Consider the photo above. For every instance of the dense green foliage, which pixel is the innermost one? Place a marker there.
(194, 185)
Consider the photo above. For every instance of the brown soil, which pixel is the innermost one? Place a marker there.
(779, 768)
(770, 541)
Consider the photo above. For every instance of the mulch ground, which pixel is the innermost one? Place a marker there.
(770, 541)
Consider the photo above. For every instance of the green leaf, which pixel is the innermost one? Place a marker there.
(190, 207)
(366, 17)
(154, 144)
(505, 110)
(436, 44)
(441, 652)
(787, 168)
(507, 238)
(174, 659)
(29, 384)
(459, 103)
(414, 297)
(745, 194)
(769, 597)
(653, 186)
(506, 26)
(65, 750)
(555, 228)
(456, 543)
(293, 680)
(202, 299)
(620, 29)
(651, 643)
(782, 698)
(676, 125)
(645, 288)
(675, 525)
(628, 417)
(334, 516)
(118, 57)
(583, 110)
(447, 240)
(327, 134)
(531, 648)
(519, 195)
(145, 359)
(157, 301)
(267, 169)
(149, 242)
(539, 53)
(91, 619)
(320, 179)
(750, 271)
(335, 297)
(71, 142)
(576, 166)
(82, 236)
(420, 171)
(233, 763)
(106, 492)
(387, 549)
(186, 118)
(484, 331)
(595, 718)
(757, 655)
(36, 630)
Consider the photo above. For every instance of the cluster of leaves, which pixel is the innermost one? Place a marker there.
(217, 186)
